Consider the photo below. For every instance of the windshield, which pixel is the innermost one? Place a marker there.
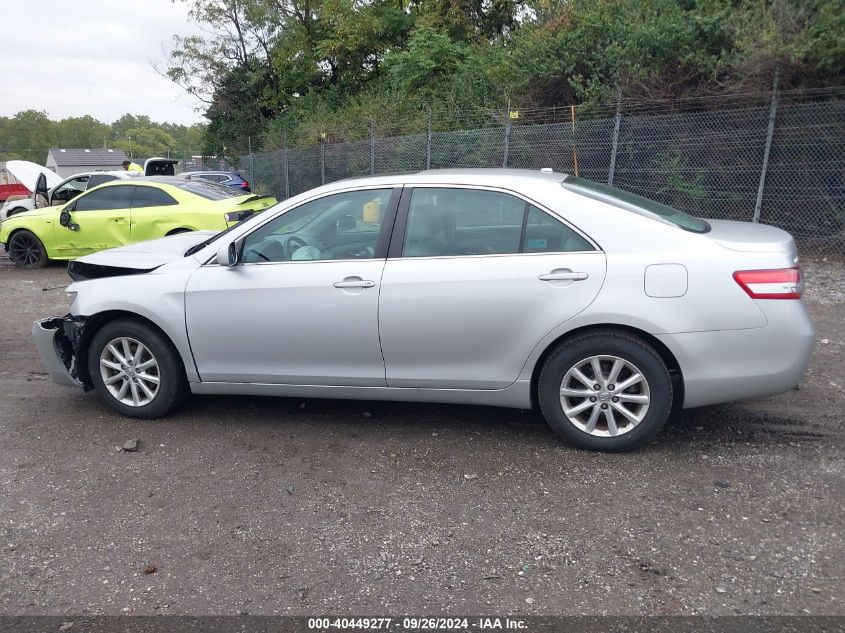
(635, 203)
(209, 190)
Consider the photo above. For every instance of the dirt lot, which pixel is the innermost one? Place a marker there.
(278, 506)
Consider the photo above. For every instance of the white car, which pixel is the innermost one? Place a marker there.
(48, 188)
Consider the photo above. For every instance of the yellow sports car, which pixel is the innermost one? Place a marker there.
(123, 212)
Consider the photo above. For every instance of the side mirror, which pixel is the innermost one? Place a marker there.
(229, 254)
(346, 223)
(66, 221)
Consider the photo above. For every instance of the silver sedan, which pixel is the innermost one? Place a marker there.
(513, 288)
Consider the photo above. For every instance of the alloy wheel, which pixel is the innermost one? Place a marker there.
(130, 372)
(605, 396)
(25, 250)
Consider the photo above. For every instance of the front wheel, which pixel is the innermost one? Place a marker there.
(605, 391)
(27, 251)
(136, 369)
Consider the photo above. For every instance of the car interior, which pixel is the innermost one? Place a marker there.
(464, 222)
(339, 227)
(441, 223)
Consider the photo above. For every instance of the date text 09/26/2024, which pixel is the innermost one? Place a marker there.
(417, 624)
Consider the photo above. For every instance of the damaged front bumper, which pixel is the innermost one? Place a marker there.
(58, 340)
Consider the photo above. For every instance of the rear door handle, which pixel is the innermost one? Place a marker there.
(120, 220)
(359, 283)
(563, 276)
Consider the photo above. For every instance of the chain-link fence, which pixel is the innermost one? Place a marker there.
(779, 160)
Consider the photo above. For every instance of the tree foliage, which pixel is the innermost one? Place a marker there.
(294, 71)
(29, 135)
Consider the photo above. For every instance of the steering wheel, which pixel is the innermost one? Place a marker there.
(293, 244)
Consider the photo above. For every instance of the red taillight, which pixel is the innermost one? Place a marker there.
(782, 283)
(244, 185)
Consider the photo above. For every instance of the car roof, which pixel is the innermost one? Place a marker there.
(187, 174)
(493, 177)
(496, 176)
(119, 173)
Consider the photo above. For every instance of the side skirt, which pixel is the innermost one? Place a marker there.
(516, 396)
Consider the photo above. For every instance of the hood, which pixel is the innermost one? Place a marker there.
(27, 173)
(29, 213)
(135, 258)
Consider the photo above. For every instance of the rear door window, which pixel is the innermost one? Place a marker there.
(151, 197)
(545, 234)
(448, 222)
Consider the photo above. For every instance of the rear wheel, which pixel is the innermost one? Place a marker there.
(15, 211)
(27, 251)
(605, 391)
(136, 370)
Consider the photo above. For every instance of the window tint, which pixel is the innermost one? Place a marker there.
(99, 179)
(114, 197)
(443, 222)
(635, 203)
(150, 197)
(209, 190)
(545, 234)
(341, 226)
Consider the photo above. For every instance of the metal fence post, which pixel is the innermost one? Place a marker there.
(772, 114)
(507, 135)
(428, 143)
(372, 150)
(251, 161)
(322, 161)
(615, 146)
(287, 174)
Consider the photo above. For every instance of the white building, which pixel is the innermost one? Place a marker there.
(67, 162)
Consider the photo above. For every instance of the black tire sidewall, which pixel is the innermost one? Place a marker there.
(42, 260)
(626, 347)
(173, 386)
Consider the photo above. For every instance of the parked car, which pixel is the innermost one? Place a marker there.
(48, 188)
(124, 212)
(499, 287)
(228, 178)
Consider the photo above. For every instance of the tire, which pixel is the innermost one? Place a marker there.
(26, 250)
(168, 393)
(593, 419)
(15, 211)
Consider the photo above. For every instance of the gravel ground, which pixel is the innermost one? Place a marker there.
(277, 506)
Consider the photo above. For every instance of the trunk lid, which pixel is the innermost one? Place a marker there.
(748, 237)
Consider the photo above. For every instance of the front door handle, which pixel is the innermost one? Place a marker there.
(354, 283)
(563, 276)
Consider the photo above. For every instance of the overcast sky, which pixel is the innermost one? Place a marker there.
(92, 57)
